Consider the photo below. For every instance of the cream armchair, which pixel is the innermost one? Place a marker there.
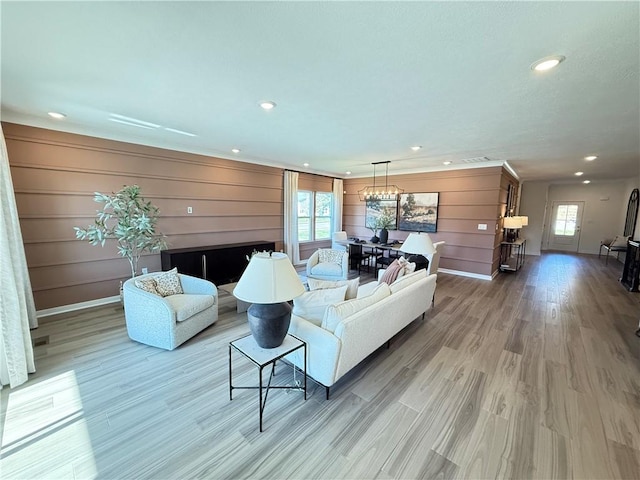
(328, 264)
(166, 322)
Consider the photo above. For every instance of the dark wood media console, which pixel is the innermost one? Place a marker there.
(219, 264)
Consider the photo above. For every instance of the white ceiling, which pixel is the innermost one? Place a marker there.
(354, 82)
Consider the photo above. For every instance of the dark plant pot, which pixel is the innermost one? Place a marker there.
(269, 323)
(384, 235)
(374, 239)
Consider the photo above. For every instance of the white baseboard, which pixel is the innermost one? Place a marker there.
(47, 312)
(460, 273)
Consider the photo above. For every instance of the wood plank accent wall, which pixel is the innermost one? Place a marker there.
(467, 197)
(55, 175)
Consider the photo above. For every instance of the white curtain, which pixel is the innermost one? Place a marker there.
(291, 245)
(338, 199)
(17, 309)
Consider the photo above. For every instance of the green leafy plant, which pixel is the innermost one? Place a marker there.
(128, 218)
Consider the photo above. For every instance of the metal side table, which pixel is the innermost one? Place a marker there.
(262, 357)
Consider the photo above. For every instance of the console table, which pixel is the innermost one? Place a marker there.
(512, 255)
(219, 264)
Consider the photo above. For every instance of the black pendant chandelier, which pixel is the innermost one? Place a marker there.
(380, 192)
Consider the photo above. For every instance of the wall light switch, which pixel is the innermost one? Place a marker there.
(482, 226)
(189, 209)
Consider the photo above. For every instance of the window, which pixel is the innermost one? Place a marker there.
(566, 220)
(314, 216)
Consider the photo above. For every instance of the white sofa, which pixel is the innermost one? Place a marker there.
(331, 354)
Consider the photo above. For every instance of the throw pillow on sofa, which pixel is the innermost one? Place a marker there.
(352, 285)
(392, 272)
(312, 305)
(168, 283)
(336, 313)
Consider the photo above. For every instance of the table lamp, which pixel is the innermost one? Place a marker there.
(418, 245)
(268, 283)
(512, 225)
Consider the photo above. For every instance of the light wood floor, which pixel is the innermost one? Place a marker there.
(533, 375)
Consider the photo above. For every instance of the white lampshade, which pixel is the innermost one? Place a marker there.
(524, 220)
(512, 222)
(269, 278)
(418, 244)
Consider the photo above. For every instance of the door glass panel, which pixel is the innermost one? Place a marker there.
(566, 218)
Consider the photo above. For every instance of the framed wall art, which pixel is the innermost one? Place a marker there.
(381, 213)
(419, 212)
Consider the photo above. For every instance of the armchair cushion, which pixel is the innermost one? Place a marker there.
(185, 306)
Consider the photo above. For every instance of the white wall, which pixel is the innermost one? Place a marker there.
(533, 200)
(604, 210)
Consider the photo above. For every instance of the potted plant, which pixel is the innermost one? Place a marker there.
(128, 218)
(385, 221)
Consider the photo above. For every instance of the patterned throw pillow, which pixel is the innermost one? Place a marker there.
(147, 284)
(328, 255)
(168, 283)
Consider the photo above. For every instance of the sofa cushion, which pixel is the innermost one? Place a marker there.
(366, 289)
(329, 255)
(147, 284)
(186, 306)
(326, 268)
(168, 283)
(352, 285)
(312, 305)
(336, 313)
(407, 280)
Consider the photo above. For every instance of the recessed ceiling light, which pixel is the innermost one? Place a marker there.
(267, 105)
(590, 158)
(448, 162)
(57, 116)
(305, 164)
(415, 148)
(235, 150)
(348, 172)
(547, 63)
(586, 181)
(577, 174)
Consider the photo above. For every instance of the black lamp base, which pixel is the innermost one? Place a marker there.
(269, 323)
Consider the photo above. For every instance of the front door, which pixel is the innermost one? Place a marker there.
(564, 232)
